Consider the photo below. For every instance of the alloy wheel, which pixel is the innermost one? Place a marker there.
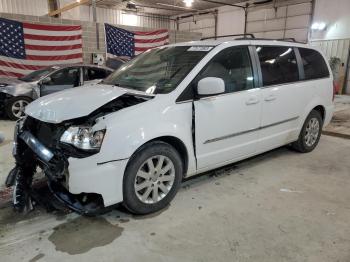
(154, 179)
(18, 108)
(312, 132)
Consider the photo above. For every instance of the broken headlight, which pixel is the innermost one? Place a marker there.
(83, 137)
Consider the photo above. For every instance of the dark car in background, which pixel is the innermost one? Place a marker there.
(16, 94)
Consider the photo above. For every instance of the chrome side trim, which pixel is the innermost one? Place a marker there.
(35, 145)
(250, 130)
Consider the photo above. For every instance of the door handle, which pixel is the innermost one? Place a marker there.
(252, 101)
(270, 98)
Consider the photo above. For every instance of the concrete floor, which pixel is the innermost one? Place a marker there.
(280, 206)
(6, 159)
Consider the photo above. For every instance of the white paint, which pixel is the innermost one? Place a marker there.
(335, 14)
(240, 113)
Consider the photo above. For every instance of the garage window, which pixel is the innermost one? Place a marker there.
(314, 64)
(278, 65)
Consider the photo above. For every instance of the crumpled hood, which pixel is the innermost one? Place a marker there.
(73, 103)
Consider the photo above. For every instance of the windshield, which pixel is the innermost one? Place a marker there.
(36, 75)
(157, 71)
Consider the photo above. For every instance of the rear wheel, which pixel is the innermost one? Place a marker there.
(15, 106)
(152, 178)
(310, 133)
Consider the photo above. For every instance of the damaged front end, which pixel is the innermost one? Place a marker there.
(49, 146)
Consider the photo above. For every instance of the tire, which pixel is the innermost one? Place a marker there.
(19, 102)
(144, 193)
(310, 133)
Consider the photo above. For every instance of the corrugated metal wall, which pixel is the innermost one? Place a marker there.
(25, 7)
(287, 20)
(338, 48)
(114, 16)
(291, 21)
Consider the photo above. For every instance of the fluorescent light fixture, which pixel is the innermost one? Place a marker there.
(318, 26)
(188, 3)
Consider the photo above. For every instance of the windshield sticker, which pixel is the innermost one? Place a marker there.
(200, 48)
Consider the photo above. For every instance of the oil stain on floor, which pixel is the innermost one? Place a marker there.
(83, 234)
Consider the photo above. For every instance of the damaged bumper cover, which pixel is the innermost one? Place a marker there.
(80, 184)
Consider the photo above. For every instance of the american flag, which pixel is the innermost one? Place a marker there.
(25, 47)
(121, 42)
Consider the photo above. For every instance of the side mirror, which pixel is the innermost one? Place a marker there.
(210, 86)
(46, 80)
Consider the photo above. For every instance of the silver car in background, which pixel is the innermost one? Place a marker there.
(16, 94)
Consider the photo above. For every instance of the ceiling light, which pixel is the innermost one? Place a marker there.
(318, 26)
(188, 3)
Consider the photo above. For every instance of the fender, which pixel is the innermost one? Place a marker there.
(128, 129)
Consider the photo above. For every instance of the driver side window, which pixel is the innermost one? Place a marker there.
(66, 76)
(233, 65)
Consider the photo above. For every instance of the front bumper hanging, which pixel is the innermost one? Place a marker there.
(54, 167)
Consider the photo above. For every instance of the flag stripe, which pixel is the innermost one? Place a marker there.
(52, 38)
(53, 52)
(21, 66)
(52, 27)
(148, 45)
(51, 33)
(40, 63)
(15, 70)
(53, 43)
(151, 36)
(156, 32)
(53, 48)
(152, 40)
(49, 58)
(10, 74)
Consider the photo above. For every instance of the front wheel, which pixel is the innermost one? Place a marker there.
(152, 178)
(310, 133)
(15, 107)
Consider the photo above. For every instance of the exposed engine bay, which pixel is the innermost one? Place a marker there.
(39, 144)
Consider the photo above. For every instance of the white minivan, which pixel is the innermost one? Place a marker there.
(171, 113)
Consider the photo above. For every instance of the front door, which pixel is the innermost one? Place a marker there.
(227, 125)
(61, 80)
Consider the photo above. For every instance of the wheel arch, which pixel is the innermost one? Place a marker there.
(175, 142)
(321, 109)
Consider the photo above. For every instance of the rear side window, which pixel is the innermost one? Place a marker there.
(278, 65)
(314, 64)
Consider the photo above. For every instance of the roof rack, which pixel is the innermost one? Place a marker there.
(282, 39)
(289, 39)
(250, 36)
